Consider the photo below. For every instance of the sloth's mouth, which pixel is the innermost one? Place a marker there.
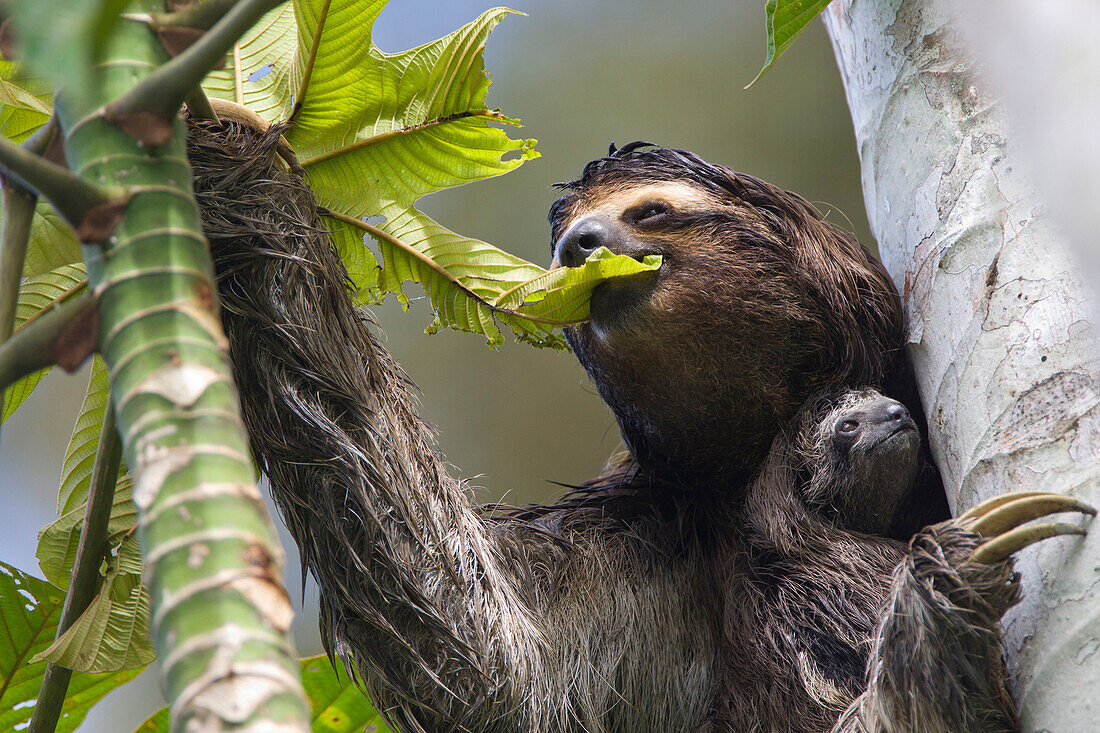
(615, 301)
(907, 430)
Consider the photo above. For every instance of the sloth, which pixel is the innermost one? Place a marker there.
(657, 595)
(897, 637)
(863, 453)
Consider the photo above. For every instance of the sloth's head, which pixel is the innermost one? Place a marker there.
(860, 452)
(758, 303)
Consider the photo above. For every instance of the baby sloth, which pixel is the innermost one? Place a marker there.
(865, 458)
(935, 661)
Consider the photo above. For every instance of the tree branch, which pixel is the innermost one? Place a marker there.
(65, 335)
(202, 16)
(84, 580)
(147, 111)
(15, 232)
(78, 201)
(198, 105)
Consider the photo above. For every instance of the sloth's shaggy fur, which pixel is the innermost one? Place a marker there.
(634, 603)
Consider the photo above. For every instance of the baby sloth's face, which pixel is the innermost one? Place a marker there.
(864, 459)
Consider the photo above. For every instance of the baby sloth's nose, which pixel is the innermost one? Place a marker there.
(895, 412)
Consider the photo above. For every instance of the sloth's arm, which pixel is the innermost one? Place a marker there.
(457, 620)
(936, 663)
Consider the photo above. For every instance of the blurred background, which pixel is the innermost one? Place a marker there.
(580, 74)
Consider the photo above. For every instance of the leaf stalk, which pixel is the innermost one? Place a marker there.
(85, 578)
(303, 85)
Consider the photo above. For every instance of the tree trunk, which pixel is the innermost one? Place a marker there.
(1004, 355)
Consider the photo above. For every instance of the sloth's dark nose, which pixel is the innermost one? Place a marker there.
(890, 411)
(584, 238)
(896, 412)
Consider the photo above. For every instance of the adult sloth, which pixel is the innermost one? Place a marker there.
(616, 608)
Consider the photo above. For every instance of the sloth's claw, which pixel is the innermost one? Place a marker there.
(992, 503)
(999, 519)
(1001, 548)
(1011, 514)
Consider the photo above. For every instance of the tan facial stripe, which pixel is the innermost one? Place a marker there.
(681, 196)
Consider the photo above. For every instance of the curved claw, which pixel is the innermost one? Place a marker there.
(992, 503)
(1010, 514)
(1000, 548)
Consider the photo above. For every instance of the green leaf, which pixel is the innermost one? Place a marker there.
(158, 722)
(339, 706)
(25, 103)
(562, 296)
(785, 20)
(113, 632)
(378, 131)
(76, 471)
(52, 243)
(57, 542)
(262, 64)
(35, 295)
(30, 609)
(471, 284)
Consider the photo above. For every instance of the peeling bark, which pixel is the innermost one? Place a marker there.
(1005, 356)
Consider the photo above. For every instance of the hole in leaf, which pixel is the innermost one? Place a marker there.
(261, 72)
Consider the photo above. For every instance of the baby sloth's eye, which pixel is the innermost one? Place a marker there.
(847, 427)
(649, 212)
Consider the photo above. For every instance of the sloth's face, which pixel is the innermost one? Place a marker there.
(757, 304)
(708, 351)
(864, 456)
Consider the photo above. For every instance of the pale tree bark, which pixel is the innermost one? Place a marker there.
(1005, 354)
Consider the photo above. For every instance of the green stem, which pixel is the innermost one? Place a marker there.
(203, 16)
(85, 578)
(73, 197)
(15, 232)
(199, 105)
(299, 99)
(163, 91)
(35, 346)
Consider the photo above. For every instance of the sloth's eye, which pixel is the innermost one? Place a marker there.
(847, 427)
(648, 213)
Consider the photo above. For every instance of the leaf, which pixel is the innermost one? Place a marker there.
(378, 131)
(265, 52)
(51, 244)
(25, 102)
(562, 296)
(785, 20)
(57, 542)
(35, 295)
(30, 609)
(113, 632)
(338, 705)
(158, 722)
(472, 284)
(76, 471)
